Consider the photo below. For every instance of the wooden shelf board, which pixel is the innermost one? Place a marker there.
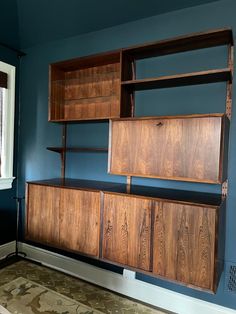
(93, 98)
(194, 78)
(77, 149)
(186, 116)
(143, 191)
(190, 42)
(88, 61)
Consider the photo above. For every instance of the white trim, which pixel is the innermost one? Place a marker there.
(7, 248)
(8, 128)
(6, 183)
(136, 289)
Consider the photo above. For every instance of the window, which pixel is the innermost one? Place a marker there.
(7, 109)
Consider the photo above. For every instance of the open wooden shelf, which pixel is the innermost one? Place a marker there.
(77, 149)
(194, 41)
(202, 77)
(86, 89)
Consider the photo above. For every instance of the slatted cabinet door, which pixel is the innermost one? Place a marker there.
(80, 221)
(43, 214)
(127, 230)
(187, 148)
(185, 243)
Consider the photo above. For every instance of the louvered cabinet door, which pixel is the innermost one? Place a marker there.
(80, 221)
(127, 230)
(43, 204)
(185, 242)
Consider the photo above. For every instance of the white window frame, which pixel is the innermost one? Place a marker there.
(7, 178)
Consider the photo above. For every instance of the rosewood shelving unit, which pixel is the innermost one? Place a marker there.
(166, 225)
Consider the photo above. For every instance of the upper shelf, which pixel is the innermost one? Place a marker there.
(202, 77)
(194, 41)
(77, 149)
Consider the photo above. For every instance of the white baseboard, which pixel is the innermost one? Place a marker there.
(7, 248)
(145, 292)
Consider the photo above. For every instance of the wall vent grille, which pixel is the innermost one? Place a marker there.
(230, 282)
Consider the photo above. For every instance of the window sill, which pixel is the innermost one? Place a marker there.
(6, 183)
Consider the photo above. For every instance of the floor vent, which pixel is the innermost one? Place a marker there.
(230, 282)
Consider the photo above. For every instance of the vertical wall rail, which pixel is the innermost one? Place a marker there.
(63, 153)
(132, 101)
(132, 95)
(229, 83)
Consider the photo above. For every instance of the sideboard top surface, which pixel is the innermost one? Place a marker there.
(199, 198)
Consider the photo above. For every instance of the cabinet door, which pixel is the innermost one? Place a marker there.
(185, 243)
(80, 221)
(43, 214)
(127, 230)
(178, 148)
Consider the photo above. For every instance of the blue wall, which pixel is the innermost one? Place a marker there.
(35, 162)
(7, 203)
(9, 34)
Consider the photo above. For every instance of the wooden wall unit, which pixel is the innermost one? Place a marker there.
(187, 148)
(162, 233)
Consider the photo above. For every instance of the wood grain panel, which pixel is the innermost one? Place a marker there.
(127, 230)
(80, 221)
(180, 149)
(43, 214)
(184, 243)
(56, 93)
(85, 93)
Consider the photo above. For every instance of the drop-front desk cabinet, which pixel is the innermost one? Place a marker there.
(169, 234)
(187, 148)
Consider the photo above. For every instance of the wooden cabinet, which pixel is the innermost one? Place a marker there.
(160, 236)
(80, 221)
(188, 148)
(185, 243)
(43, 206)
(64, 218)
(127, 230)
(173, 240)
(86, 88)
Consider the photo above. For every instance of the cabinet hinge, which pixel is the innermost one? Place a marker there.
(224, 188)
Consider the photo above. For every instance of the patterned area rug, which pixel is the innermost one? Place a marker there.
(22, 296)
(91, 296)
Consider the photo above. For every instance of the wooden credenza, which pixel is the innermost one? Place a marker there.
(147, 230)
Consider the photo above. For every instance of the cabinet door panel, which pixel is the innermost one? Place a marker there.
(180, 148)
(43, 214)
(127, 230)
(184, 243)
(80, 221)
